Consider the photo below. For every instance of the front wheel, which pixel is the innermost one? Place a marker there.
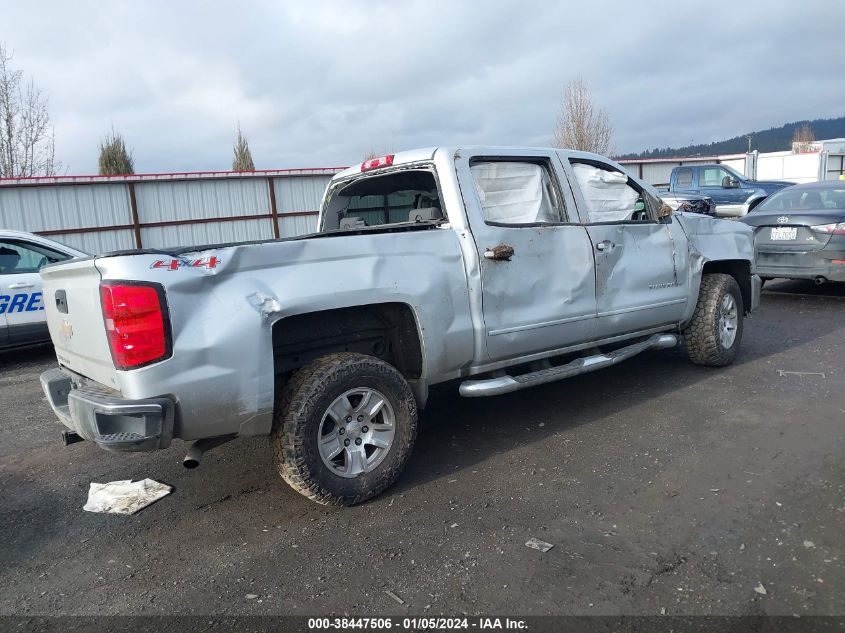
(715, 331)
(344, 428)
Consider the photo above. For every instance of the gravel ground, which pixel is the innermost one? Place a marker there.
(664, 488)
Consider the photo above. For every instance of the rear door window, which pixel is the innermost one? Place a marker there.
(683, 178)
(515, 192)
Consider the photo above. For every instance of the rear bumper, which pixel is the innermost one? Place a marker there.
(103, 417)
(801, 265)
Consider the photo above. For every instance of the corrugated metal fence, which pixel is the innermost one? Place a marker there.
(104, 213)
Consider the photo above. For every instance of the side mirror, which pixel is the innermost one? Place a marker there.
(729, 183)
(664, 213)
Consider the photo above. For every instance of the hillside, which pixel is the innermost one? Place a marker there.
(775, 139)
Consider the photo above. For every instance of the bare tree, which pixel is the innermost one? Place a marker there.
(243, 157)
(580, 124)
(375, 153)
(115, 158)
(803, 138)
(27, 139)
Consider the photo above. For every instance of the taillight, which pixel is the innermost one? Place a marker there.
(831, 229)
(137, 323)
(375, 163)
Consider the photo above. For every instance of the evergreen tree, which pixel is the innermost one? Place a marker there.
(243, 157)
(115, 159)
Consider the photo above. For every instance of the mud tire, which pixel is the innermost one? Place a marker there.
(701, 336)
(300, 406)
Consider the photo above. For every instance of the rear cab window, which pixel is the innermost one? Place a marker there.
(611, 196)
(407, 196)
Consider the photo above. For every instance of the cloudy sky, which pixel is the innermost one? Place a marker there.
(320, 83)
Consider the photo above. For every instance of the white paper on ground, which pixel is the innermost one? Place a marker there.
(124, 497)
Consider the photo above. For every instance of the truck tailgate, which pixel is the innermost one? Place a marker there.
(75, 319)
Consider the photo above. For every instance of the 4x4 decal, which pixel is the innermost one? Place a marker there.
(176, 264)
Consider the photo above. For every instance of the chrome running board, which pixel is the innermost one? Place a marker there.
(506, 384)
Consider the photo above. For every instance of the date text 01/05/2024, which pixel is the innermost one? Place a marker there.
(427, 623)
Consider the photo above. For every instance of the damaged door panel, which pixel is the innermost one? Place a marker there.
(542, 296)
(636, 254)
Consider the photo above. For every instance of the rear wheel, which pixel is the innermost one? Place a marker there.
(344, 429)
(714, 334)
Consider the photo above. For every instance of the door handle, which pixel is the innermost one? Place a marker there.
(22, 284)
(604, 245)
(502, 252)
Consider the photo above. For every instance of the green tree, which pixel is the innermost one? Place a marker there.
(115, 159)
(243, 157)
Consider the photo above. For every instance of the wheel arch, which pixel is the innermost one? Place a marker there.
(389, 331)
(740, 270)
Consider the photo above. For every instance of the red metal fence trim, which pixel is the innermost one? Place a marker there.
(157, 177)
(145, 225)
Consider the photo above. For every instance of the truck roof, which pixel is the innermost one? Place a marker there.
(428, 153)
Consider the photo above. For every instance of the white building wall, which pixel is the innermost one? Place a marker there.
(788, 166)
(737, 164)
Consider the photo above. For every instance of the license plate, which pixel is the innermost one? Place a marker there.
(781, 233)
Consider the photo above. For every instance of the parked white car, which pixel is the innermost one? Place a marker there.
(22, 318)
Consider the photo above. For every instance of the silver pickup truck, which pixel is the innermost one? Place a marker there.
(496, 268)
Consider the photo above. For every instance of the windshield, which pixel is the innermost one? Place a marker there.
(806, 198)
(392, 198)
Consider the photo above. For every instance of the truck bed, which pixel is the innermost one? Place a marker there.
(176, 251)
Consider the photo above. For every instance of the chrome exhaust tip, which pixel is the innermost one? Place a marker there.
(198, 449)
(192, 459)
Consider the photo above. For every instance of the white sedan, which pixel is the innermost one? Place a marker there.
(22, 319)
